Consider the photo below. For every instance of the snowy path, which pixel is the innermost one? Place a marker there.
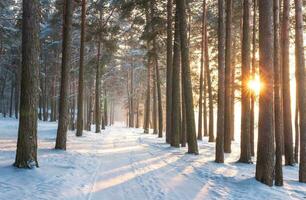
(123, 163)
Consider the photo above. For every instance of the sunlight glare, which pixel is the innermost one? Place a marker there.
(255, 85)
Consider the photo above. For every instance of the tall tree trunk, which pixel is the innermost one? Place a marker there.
(98, 91)
(205, 128)
(89, 108)
(190, 122)
(159, 97)
(211, 137)
(131, 113)
(45, 95)
(26, 153)
(11, 98)
(205, 72)
(221, 89)
(169, 71)
(205, 62)
(176, 111)
(233, 89)
(253, 70)
(112, 112)
(288, 141)
(300, 66)
(147, 104)
(137, 113)
(277, 99)
(296, 120)
(183, 131)
(73, 103)
(105, 107)
(52, 116)
(245, 155)
(40, 108)
(297, 128)
(80, 120)
(154, 110)
(265, 148)
(17, 92)
(200, 119)
(228, 70)
(63, 121)
(103, 124)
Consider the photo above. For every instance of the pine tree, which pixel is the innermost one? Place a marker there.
(176, 111)
(190, 122)
(277, 98)
(169, 71)
(147, 104)
(253, 71)
(211, 137)
(26, 153)
(300, 66)
(64, 94)
(245, 146)
(80, 120)
(159, 95)
(98, 91)
(265, 147)
(200, 116)
(228, 81)
(288, 141)
(221, 87)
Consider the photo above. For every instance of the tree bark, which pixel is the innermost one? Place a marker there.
(169, 71)
(147, 104)
(205, 128)
(98, 81)
(277, 99)
(265, 148)
(11, 98)
(137, 113)
(131, 113)
(17, 92)
(211, 137)
(253, 70)
(233, 89)
(154, 110)
(63, 121)
(190, 122)
(176, 111)
(26, 153)
(288, 141)
(228, 82)
(297, 128)
(221, 70)
(80, 120)
(183, 131)
(245, 146)
(159, 97)
(200, 116)
(45, 95)
(105, 107)
(300, 66)
(98, 90)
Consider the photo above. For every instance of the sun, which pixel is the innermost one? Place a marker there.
(255, 85)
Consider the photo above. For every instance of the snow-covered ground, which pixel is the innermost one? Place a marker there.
(123, 163)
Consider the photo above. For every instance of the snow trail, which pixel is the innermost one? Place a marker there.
(122, 163)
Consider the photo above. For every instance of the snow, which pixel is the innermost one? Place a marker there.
(123, 163)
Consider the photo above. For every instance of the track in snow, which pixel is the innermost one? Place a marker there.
(123, 163)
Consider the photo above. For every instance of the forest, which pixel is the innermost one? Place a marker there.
(152, 99)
